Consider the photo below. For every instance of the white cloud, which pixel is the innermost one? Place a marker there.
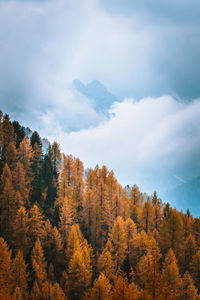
(145, 142)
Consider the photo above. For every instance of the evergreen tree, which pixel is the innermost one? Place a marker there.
(36, 184)
(55, 156)
(167, 211)
(19, 133)
(8, 142)
(35, 139)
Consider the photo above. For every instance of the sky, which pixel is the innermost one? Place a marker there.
(144, 52)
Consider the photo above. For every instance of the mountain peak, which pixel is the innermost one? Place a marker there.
(96, 91)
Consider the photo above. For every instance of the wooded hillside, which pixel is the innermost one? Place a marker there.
(71, 234)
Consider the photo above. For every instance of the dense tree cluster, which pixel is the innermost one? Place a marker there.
(70, 233)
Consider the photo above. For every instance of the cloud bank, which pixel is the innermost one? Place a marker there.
(153, 142)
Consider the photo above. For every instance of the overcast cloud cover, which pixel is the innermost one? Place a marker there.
(145, 52)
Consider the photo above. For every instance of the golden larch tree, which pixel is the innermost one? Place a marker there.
(124, 291)
(118, 238)
(6, 276)
(20, 275)
(39, 268)
(171, 282)
(100, 290)
(189, 291)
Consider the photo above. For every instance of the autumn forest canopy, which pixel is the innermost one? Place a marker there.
(71, 233)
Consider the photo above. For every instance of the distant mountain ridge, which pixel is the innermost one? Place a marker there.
(97, 92)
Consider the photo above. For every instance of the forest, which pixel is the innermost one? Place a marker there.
(71, 233)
